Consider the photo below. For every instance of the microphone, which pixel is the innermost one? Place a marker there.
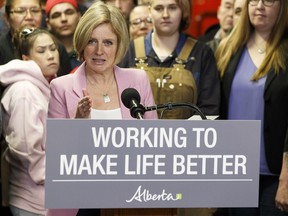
(131, 99)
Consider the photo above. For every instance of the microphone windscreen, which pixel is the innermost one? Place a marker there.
(128, 95)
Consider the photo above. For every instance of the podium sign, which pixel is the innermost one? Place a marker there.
(152, 163)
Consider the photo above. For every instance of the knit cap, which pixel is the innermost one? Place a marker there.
(51, 3)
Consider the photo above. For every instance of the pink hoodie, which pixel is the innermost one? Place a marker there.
(25, 107)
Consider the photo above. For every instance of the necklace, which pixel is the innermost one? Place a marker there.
(259, 50)
(104, 94)
(106, 97)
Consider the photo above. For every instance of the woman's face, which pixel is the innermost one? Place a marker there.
(24, 13)
(44, 52)
(262, 17)
(166, 16)
(140, 21)
(101, 49)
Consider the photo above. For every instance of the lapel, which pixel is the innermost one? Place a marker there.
(79, 80)
(230, 72)
(270, 77)
(123, 82)
(78, 83)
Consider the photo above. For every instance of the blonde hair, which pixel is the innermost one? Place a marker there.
(97, 14)
(185, 8)
(276, 51)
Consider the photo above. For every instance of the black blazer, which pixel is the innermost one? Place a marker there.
(275, 110)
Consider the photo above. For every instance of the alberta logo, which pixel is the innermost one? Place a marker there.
(144, 195)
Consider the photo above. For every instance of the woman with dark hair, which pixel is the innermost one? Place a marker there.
(20, 13)
(24, 110)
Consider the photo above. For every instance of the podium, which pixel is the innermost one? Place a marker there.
(151, 167)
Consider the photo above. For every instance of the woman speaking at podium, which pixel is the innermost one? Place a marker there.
(101, 40)
(94, 89)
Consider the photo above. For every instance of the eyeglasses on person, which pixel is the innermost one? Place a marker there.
(26, 32)
(267, 3)
(22, 12)
(137, 22)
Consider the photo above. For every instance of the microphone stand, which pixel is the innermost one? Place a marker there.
(137, 110)
(170, 106)
(139, 116)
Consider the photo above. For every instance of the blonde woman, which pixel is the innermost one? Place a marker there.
(94, 90)
(252, 62)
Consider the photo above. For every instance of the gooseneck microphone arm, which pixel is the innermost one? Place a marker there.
(136, 109)
(131, 99)
(171, 106)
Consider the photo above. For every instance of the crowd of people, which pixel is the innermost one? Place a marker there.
(73, 59)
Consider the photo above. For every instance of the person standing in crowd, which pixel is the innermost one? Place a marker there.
(24, 111)
(162, 47)
(254, 78)
(27, 13)
(140, 22)
(62, 17)
(94, 89)
(100, 49)
(225, 16)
